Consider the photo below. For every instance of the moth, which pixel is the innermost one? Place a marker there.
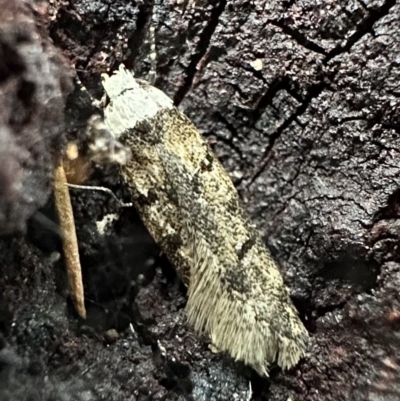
(187, 201)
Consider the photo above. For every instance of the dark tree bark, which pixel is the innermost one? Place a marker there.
(301, 101)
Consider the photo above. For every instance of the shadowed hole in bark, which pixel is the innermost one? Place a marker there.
(392, 209)
(348, 268)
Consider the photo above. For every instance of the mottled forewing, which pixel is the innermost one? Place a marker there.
(191, 207)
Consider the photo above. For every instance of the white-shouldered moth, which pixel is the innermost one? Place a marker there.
(189, 204)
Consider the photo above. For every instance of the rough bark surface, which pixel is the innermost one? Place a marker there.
(34, 83)
(301, 101)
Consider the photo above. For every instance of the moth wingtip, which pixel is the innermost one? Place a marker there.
(258, 339)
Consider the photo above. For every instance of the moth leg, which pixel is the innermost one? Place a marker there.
(102, 189)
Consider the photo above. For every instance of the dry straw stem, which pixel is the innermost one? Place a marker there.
(70, 242)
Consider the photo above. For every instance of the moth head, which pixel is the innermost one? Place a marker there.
(120, 81)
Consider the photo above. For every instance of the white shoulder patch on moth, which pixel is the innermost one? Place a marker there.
(131, 100)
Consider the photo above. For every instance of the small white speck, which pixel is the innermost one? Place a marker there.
(162, 349)
(107, 219)
(256, 64)
(250, 393)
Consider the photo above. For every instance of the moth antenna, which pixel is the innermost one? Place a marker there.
(152, 75)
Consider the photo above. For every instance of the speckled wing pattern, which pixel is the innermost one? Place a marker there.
(189, 204)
